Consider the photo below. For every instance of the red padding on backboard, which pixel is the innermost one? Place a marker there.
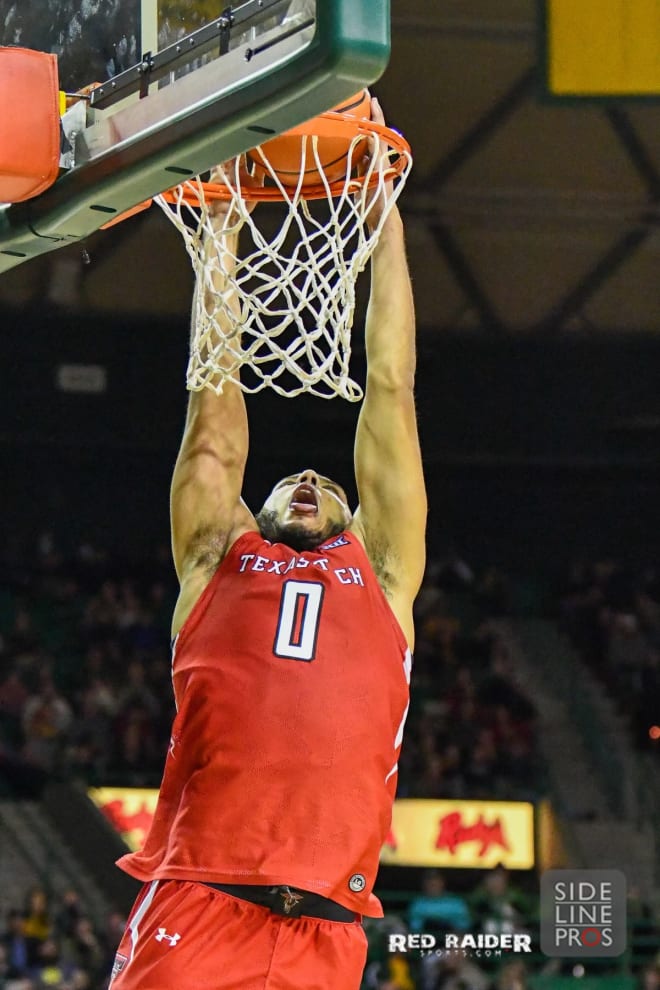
(29, 123)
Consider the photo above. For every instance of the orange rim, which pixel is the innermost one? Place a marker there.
(330, 124)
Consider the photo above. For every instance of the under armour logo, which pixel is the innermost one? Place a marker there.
(162, 934)
(291, 898)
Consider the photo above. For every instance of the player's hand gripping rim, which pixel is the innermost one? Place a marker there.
(379, 151)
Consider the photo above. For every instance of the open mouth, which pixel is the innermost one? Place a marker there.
(304, 501)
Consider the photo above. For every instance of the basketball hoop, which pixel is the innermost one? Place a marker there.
(285, 315)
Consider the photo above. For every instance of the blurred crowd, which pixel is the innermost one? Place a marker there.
(85, 687)
(612, 614)
(53, 943)
(495, 903)
(471, 730)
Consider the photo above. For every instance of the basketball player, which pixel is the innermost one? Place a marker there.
(292, 639)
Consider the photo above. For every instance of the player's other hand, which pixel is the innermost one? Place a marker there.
(378, 148)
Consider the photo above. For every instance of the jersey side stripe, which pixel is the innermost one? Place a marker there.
(407, 668)
(134, 926)
(174, 646)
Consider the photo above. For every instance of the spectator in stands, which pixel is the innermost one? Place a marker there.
(471, 729)
(53, 971)
(482, 768)
(13, 697)
(37, 922)
(5, 977)
(141, 634)
(440, 630)
(68, 912)
(650, 978)
(497, 906)
(103, 608)
(522, 770)
(512, 976)
(430, 782)
(46, 720)
(453, 573)
(643, 926)
(4, 966)
(627, 644)
(378, 971)
(8, 980)
(92, 730)
(129, 607)
(493, 593)
(452, 971)
(391, 973)
(84, 949)
(135, 690)
(96, 666)
(22, 638)
(498, 687)
(453, 776)
(436, 910)
(613, 618)
(110, 937)
(15, 946)
(462, 691)
(137, 752)
(62, 950)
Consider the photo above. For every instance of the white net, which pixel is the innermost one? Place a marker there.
(283, 316)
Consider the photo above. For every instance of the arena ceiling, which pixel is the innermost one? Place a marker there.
(522, 215)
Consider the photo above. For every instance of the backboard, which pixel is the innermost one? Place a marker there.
(99, 40)
(184, 84)
(92, 41)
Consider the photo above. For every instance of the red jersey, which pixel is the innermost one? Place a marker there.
(291, 682)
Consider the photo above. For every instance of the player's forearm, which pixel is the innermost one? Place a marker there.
(215, 335)
(390, 325)
(215, 298)
(218, 421)
(222, 258)
(218, 424)
(208, 475)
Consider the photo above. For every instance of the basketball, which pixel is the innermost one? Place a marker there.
(284, 153)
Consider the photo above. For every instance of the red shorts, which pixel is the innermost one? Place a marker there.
(183, 935)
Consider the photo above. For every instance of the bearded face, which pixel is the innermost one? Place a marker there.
(303, 511)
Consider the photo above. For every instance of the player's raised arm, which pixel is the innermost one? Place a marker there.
(391, 517)
(207, 513)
